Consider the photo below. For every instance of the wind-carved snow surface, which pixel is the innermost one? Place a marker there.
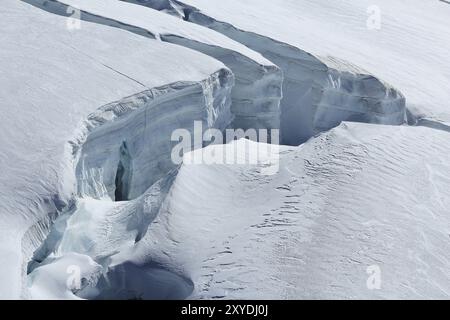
(359, 196)
(318, 93)
(257, 90)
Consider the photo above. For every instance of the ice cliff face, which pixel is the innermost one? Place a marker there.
(126, 149)
(309, 84)
(97, 231)
(257, 92)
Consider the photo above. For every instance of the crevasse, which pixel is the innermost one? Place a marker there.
(318, 92)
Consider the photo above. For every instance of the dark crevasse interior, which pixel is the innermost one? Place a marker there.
(123, 175)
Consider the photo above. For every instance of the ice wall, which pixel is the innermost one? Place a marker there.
(258, 88)
(318, 92)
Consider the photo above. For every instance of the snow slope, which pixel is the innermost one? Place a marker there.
(410, 48)
(53, 79)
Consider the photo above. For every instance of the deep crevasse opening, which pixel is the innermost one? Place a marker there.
(123, 175)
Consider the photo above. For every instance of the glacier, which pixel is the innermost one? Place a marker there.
(92, 206)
